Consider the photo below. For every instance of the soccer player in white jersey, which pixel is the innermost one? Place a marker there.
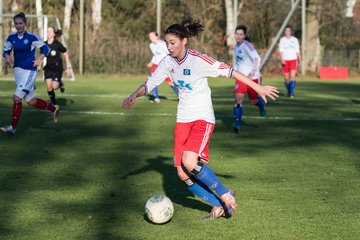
(290, 58)
(247, 62)
(159, 50)
(23, 44)
(195, 122)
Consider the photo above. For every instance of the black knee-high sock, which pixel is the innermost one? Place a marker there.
(52, 97)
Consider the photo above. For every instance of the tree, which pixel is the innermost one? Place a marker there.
(350, 4)
(229, 24)
(39, 12)
(313, 48)
(96, 17)
(67, 17)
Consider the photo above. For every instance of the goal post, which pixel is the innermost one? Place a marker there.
(46, 19)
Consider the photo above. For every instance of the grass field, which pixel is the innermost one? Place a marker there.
(296, 172)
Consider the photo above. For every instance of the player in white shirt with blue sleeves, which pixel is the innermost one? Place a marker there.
(195, 121)
(247, 62)
(24, 44)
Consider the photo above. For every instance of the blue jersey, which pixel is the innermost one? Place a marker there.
(24, 49)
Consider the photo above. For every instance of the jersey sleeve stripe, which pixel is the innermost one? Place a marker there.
(7, 48)
(230, 72)
(202, 56)
(224, 66)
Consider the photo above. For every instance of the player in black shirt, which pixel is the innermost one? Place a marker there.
(53, 69)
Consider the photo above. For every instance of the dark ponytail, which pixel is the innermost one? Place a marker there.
(186, 29)
(58, 32)
(20, 15)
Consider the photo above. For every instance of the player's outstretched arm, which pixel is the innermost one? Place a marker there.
(263, 91)
(130, 100)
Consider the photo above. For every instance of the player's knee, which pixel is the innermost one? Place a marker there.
(32, 102)
(16, 99)
(189, 160)
(181, 173)
(239, 98)
(253, 101)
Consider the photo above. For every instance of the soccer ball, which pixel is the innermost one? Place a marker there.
(159, 209)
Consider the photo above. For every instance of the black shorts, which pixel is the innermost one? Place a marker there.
(54, 75)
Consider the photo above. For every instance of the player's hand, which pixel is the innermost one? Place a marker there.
(149, 65)
(8, 60)
(268, 91)
(68, 72)
(129, 101)
(37, 62)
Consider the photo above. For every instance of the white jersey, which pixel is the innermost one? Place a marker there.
(190, 76)
(159, 51)
(247, 60)
(289, 47)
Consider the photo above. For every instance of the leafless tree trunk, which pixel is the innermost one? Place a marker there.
(39, 12)
(67, 17)
(15, 6)
(96, 17)
(313, 48)
(350, 4)
(229, 23)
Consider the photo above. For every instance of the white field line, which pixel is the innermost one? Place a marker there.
(215, 99)
(283, 118)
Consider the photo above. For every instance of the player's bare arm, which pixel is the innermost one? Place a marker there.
(263, 91)
(8, 59)
(129, 101)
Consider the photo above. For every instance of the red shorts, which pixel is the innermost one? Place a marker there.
(154, 66)
(243, 88)
(194, 137)
(289, 66)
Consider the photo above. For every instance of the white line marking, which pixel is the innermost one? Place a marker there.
(284, 118)
(215, 99)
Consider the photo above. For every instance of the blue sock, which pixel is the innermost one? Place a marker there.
(156, 92)
(176, 90)
(204, 193)
(206, 176)
(260, 101)
(292, 87)
(238, 110)
(287, 85)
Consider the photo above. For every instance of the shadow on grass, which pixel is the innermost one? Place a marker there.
(47, 171)
(173, 187)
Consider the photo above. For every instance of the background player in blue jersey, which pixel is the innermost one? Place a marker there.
(248, 63)
(53, 69)
(195, 121)
(23, 44)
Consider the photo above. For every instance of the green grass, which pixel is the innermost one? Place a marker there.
(296, 172)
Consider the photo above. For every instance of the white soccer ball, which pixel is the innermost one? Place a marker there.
(159, 209)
